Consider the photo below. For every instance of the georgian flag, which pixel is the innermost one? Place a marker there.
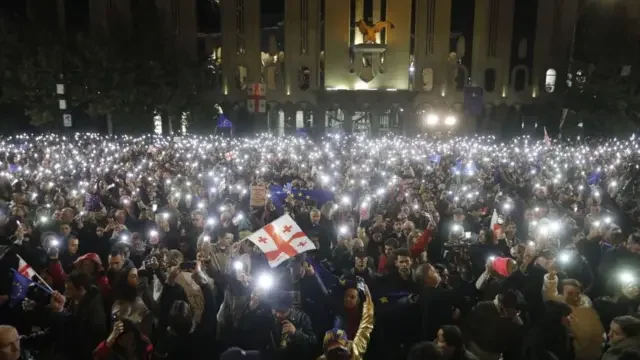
(25, 269)
(280, 240)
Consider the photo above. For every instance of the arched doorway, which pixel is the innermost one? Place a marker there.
(361, 121)
(334, 120)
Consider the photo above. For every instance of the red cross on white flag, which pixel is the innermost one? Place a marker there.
(280, 240)
(25, 269)
(257, 105)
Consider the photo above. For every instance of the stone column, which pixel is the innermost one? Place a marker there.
(319, 115)
(289, 121)
(347, 125)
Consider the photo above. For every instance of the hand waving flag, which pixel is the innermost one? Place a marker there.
(280, 240)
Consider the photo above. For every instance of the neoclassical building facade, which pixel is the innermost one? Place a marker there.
(323, 70)
(328, 74)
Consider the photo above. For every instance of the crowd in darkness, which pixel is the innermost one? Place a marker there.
(148, 247)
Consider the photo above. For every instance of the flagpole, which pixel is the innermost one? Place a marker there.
(43, 286)
(44, 282)
(35, 272)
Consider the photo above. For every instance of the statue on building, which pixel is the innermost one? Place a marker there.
(369, 32)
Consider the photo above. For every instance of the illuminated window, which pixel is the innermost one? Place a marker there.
(550, 81)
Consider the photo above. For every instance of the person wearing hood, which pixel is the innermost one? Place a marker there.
(586, 326)
(624, 335)
(79, 328)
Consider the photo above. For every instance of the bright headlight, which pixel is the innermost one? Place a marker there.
(450, 120)
(432, 119)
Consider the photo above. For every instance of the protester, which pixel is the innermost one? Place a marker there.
(345, 247)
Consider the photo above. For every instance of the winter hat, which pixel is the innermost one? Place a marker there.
(335, 338)
(281, 301)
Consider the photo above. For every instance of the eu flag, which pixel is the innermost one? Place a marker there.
(224, 122)
(391, 299)
(279, 194)
(326, 279)
(19, 288)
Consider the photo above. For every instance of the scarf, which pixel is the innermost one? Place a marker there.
(352, 322)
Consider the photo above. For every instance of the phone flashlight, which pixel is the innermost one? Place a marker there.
(237, 265)
(54, 243)
(153, 233)
(265, 281)
(626, 277)
(564, 257)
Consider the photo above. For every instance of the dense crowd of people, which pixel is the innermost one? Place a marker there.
(147, 247)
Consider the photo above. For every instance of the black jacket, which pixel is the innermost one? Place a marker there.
(197, 345)
(299, 345)
(78, 330)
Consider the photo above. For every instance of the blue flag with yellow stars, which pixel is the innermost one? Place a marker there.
(391, 299)
(280, 193)
(19, 287)
(326, 280)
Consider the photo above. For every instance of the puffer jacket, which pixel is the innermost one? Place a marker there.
(586, 326)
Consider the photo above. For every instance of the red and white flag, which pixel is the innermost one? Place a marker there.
(547, 139)
(280, 240)
(25, 269)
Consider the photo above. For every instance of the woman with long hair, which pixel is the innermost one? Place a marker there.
(128, 303)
